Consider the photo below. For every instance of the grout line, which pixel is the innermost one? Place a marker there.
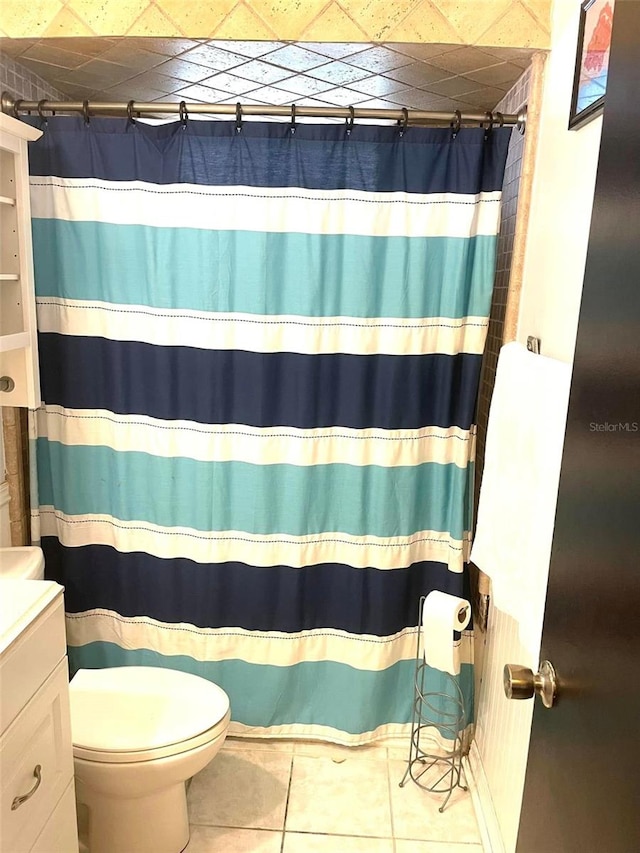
(393, 831)
(286, 807)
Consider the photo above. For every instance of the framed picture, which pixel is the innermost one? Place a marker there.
(592, 61)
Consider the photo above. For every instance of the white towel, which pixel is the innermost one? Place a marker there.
(519, 489)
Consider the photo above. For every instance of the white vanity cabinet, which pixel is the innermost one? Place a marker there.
(37, 798)
(19, 373)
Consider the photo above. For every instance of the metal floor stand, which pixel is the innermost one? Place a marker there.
(448, 718)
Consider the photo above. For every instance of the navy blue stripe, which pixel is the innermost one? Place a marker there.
(259, 389)
(226, 595)
(265, 154)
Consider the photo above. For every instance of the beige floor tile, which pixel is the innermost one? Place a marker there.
(259, 744)
(416, 815)
(241, 789)
(317, 749)
(297, 842)
(215, 839)
(347, 798)
(433, 847)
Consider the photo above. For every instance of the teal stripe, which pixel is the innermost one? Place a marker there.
(321, 693)
(308, 275)
(360, 500)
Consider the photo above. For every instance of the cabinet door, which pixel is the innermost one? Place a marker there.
(19, 372)
(37, 763)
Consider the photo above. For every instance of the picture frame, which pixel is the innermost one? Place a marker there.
(592, 61)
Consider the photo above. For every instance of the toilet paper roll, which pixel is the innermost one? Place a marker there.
(443, 614)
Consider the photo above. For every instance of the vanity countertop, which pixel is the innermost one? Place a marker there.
(20, 603)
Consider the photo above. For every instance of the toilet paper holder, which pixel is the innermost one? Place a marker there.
(445, 711)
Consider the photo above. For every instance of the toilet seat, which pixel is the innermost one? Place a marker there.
(139, 713)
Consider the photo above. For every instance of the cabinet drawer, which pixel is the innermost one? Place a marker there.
(60, 834)
(30, 659)
(41, 735)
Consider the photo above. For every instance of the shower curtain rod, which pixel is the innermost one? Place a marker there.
(132, 109)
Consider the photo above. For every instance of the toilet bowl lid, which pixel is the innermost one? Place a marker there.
(141, 708)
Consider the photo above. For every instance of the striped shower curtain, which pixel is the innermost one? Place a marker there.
(260, 355)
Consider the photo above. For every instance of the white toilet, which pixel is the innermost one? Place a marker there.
(138, 734)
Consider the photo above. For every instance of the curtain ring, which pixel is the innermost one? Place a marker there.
(404, 121)
(293, 119)
(499, 118)
(456, 123)
(40, 113)
(488, 125)
(238, 117)
(16, 108)
(85, 112)
(184, 115)
(130, 112)
(350, 121)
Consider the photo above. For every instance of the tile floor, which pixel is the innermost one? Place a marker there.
(294, 797)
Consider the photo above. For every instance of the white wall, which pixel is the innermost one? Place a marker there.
(557, 238)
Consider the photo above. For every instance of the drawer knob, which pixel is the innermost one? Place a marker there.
(18, 801)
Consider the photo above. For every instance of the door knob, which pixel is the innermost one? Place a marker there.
(521, 683)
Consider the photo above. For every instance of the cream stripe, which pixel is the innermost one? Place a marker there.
(254, 550)
(257, 333)
(392, 735)
(271, 648)
(288, 209)
(267, 446)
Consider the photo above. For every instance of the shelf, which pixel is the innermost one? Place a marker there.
(5, 199)
(19, 340)
(9, 276)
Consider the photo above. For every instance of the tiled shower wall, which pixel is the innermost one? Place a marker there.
(512, 102)
(21, 83)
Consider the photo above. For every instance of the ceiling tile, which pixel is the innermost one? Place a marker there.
(378, 59)
(230, 83)
(160, 82)
(94, 76)
(213, 57)
(422, 51)
(262, 72)
(296, 58)
(342, 97)
(485, 98)
(75, 91)
(417, 100)
(417, 74)
(131, 90)
(377, 85)
(462, 60)
(504, 74)
(338, 73)
(14, 47)
(183, 70)
(250, 49)
(270, 95)
(200, 93)
(301, 84)
(132, 56)
(335, 50)
(43, 52)
(163, 46)
(454, 87)
(91, 47)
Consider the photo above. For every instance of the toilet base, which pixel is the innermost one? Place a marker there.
(156, 823)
